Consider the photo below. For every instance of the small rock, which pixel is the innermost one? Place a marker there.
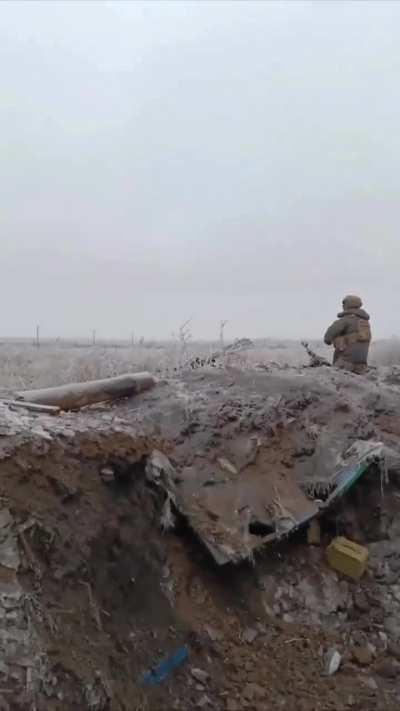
(213, 634)
(232, 705)
(332, 661)
(392, 626)
(107, 475)
(369, 681)
(65, 491)
(204, 701)
(288, 618)
(391, 579)
(393, 649)
(395, 564)
(200, 675)
(387, 669)
(361, 602)
(380, 570)
(5, 518)
(362, 655)
(383, 638)
(250, 635)
(227, 466)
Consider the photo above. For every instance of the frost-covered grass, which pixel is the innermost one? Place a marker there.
(22, 365)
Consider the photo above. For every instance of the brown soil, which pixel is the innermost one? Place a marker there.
(110, 595)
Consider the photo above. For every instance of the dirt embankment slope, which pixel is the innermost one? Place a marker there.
(93, 593)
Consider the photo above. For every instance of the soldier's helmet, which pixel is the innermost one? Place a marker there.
(352, 302)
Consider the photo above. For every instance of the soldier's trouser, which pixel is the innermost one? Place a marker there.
(358, 368)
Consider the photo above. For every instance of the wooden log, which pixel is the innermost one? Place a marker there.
(76, 395)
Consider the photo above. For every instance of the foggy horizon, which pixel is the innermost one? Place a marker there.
(217, 160)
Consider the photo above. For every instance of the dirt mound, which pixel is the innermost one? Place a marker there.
(93, 593)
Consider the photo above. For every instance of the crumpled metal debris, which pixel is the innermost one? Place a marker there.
(244, 513)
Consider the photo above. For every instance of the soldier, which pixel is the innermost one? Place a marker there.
(351, 336)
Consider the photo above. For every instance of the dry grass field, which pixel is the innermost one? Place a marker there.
(23, 364)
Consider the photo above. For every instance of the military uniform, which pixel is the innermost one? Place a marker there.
(351, 336)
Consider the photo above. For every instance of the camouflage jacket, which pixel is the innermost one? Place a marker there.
(344, 335)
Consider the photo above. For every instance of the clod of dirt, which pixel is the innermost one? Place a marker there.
(254, 692)
(63, 490)
(393, 649)
(388, 669)
(362, 655)
(392, 626)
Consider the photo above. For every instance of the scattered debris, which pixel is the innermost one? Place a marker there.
(242, 514)
(333, 661)
(159, 673)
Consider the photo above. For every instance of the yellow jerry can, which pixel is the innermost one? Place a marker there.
(347, 557)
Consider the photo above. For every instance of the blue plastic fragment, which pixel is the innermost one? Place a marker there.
(163, 670)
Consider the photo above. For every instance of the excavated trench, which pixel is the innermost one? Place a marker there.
(93, 593)
(91, 569)
(104, 595)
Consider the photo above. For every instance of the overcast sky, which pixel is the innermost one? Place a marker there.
(214, 160)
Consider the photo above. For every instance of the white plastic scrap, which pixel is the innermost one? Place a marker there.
(333, 661)
(167, 519)
(159, 468)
